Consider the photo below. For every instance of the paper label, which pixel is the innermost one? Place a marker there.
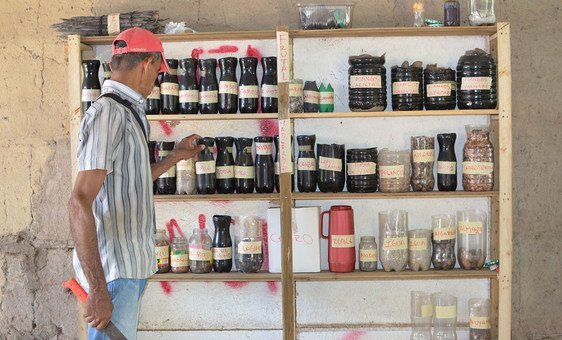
(249, 247)
(395, 243)
(228, 87)
(283, 55)
(311, 97)
(207, 167)
(365, 82)
(477, 168)
(222, 253)
(162, 254)
(438, 90)
(295, 90)
(368, 255)
(423, 156)
(446, 168)
(172, 71)
(248, 91)
(476, 83)
(445, 312)
(113, 24)
(163, 153)
(391, 171)
(263, 148)
(189, 96)
(225, 172)
(343, 241)
(244, 172)
(361, 168)
(478, 322)
(305, 148)
(471, 228)
(406, 87)
(198, 254)
(326, 98)
(185, 165)
(418, 243)
(426, 311)
(208, 97)
(155, 93)
(170, 173)
(330, 164)
(179, 258)
(90, 95)
(169, 89)
(307, 164)
(269, 91)
(107, 74)
(441, 234)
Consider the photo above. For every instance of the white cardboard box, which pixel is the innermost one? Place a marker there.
(306, 239)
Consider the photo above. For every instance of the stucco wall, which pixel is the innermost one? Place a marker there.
(34, 232)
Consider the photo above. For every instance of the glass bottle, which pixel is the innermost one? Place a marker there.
(200, 245)
(269, 93)
(331, 167)
(169, 89)
(244, 166)
(166, 183)
(264, 169)
(423, 158)
(479, 319)
(225, 165)
(179, 256)
(162, 251)
(311, 97)
(477, 81)
(482, 13)
(393, 237)
(367, 254)
(478, 160)
(205, 167)
(228, 85)
(248, 91)
(189, 90)
(208, 86)
(444, 236)
(278, 166)
(367, 83)
(362, 170)
(444, 316)
(418, 8)
(452, 13)
(421, 313)
(447, 162)
(91, 88)
(419, 249)
(153, 99)
(307, 176)
(222, 244)
(473, 236)
(106, 71)
(249, 247)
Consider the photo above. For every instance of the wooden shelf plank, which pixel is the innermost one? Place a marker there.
(217, 197)
(324, 115)
(216, 277)
(405, 275)
(241, 116)
(395, 32)
(382, 195)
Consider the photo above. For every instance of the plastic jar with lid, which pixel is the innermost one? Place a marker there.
(394, 170)
(368, 254)
(249, 250)
(200, 244)
(162, 251)
(179, 255)
(478, 160)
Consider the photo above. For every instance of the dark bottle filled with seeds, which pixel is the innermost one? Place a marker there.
(331, 167)
(311, 97)
(447, 162)
(264, 167)
(166, 183)
(152, 157)
(407, 87)
(244, 166)
(208, 86)
(106, 71)
(222, 244)
(440, 88)
(169, 89)
(225, 165)
(362, 170)
(91, 88)
(269, 94)
(278, 165)
(367, 83)
(307, 176)
(153, 99)
(205, 167)
(228, 85)
(248, 90)
(189, 90)
(476, 81)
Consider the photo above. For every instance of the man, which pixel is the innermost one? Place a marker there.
(111, 208)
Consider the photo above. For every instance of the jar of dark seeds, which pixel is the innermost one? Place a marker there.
(478, 160)
(249, 252)
(393, 230)
(419, 249)
(473, 236)
(200, 244)
(444, 235)
(423, 160)
(295, 96)
(479, 319)
(368, 254)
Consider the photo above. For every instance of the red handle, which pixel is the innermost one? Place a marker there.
(322, 224)
(76, 289)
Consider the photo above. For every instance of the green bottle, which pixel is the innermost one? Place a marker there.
(326, 98)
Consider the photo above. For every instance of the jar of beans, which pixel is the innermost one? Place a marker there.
(478, 160)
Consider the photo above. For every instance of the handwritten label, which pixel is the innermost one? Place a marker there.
(113, 24)
(286, 149)
(107, 74)
(406, 87)
(222, 253)
(163, 153)
(391, 171)
(90, 95)
(283, 55)
(477, 168)
(297, 237)
(155, 93)
(198, 254)
(172, 71)
(426, 311)
(343, 241)
(162, 254)
(438, 90)
(206, 167)
(248, 91)
(446, 168)
(442, 234)
(189, 96)
(423, 156)
(295, 90)
(326, 98)
(244, 172)
(418, 243)
(311, 97)
(225, 172)
(365, 82)
(445, 312)
(179, 258)
(169, 89)
(228, 87)
(368, 255)
(471, 228)
(208, 97)
(269, 91)
(361, 168)
(185, 165)
(306, 164)
(476, 83)
(170, 173)
(395, 243)
(263, 148)
(330, 164)
(478, 322)
(249, 247)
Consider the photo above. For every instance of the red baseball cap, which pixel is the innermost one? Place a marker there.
(139, 40)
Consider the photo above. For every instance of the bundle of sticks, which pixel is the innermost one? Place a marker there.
(98, 25)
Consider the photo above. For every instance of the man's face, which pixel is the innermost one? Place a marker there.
(150, 68)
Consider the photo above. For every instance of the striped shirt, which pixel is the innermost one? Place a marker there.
(111, 139)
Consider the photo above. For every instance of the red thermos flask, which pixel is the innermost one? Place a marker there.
(341, 238)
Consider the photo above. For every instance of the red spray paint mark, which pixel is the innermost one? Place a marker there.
(166, 287)
(166, 128)
(265, 265)
(254, 52)
(202, 221)
(273, 287)
(196, 52)
(355, 335)
(170, 225)
(224, 49)
(236, 284)
(269, 127)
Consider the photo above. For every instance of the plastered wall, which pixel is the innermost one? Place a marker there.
(35, 246)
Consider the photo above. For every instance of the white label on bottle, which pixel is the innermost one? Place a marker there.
(244, 172)
(163, 153)
(113, 24)
(169, 89)
(479, 322)
(185, 165)
(445, 312)
(107, 74)
(249, 247)
(228, 87)
(225, 172)
(90, 95)
(439, 90)
(395, 243)
(161, 253)
(326, 98)
(391, 171)
(368, 255)
(406, 87)
(361, 168)
(206, 167)
(179, 259)
(446, 168)
(442, 234)
(155, 93)
(222, 253)
(295, 90)
(426, 311)
(423, 156)
(263, 148)
(477, 168)
(476, 83)
(172, 71)
(269, 91)
(311, 97)
(305, 148)
(198, 254)
(170, 173)
(307, 164)
(365, 82)
(189, 96)
(343, 241)
(208, 97)
(330, 164)
(248, 91)
(418, 243)
(471, 228)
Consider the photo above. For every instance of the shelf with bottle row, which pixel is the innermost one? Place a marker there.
(355, 114)
(380, 275)
(204, 117)
(217, 197)
(216, 277)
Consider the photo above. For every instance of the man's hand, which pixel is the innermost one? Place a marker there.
(187, 148)
(98, 309)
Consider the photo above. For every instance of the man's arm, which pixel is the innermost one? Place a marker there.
(98, 307)
(185, 149)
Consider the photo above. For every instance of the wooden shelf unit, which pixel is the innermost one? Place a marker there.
(217, 197)
(424, 113)
(380, 275)
(198, 117)
(217, 277)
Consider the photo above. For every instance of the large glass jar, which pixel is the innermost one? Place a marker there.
(367, 83)
(162, 251)
(478, 160)
(482, 13)
(479, 319)
(200, 244)
(473, 235)
(420, 315)
(249, 237)
(394, 170)
(423, 159)
(367, 254)
(476, 81)
(419, 249)
(444, 235)
(444, 316)
(393, 236)
(179, 255)
(362, 170)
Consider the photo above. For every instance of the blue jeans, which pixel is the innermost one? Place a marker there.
(125, 295)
